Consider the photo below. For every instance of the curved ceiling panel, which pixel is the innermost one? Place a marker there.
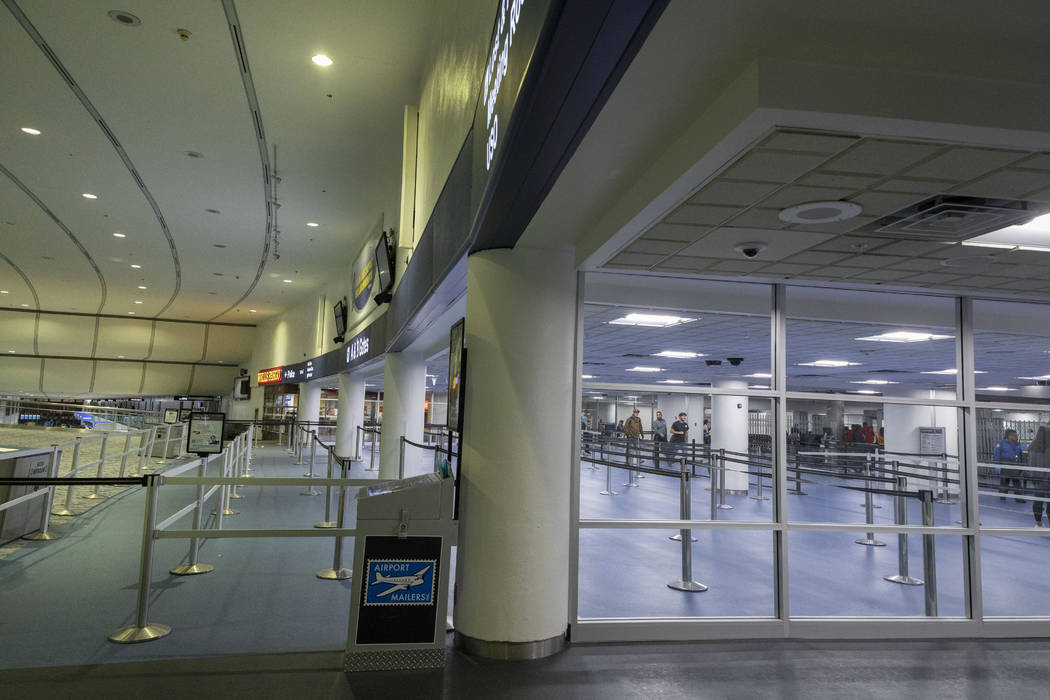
(19, 374)
(213, 380)
(117, 378)
(166, 379)
(17, 330)
(178, 342)
(66, 377)
(124, 337)
(229, 344)
(66, 335)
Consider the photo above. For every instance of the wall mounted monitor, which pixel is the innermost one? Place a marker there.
(384, 268)
(339, 310)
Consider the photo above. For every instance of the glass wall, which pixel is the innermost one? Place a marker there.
(853, 485)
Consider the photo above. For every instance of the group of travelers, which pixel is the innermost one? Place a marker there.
(864, 433)
(1033, 481)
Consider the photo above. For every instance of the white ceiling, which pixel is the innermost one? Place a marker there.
(337, 133)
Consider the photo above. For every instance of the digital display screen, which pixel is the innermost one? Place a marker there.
(455, 375)
(205, 433)
(340, 317)
(384, 270)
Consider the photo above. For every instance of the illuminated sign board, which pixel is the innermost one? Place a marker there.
(496, 70)
(357, 348)
(270, 376)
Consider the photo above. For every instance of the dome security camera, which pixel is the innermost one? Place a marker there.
(750, 250)
(735, 361)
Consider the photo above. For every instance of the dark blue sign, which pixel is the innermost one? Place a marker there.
(400, 581)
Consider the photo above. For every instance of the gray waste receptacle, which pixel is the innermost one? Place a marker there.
(173, 446)
(25, 517)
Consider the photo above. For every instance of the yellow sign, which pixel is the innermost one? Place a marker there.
(270, 376)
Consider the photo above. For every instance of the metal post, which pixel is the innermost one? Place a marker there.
(685, 509)
(608, 476)
(798, 477)
(758, 479)
(250, 456)
(95, 495)
(337, 572)
(946, 497)
(312, 438)
(714, 487)
(722, 505)
(328, 522)
(45, 512)
(309, 490)
(151, 443)
(239, 462)
(900, 516)
(869, 517)
(929, 554)
(143, 630)
(401, 457)
(192, 566)
(372, 453)
(686, 583)
(868, 461)
(143, 441)
(631, 481)
(357, 443)
(124, 456)
(67, 508)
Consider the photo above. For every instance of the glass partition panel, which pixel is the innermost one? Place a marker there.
(830, 575)
(626, 573)
(1013, 465)
(1006, 591)
(1011, 345)
(870, 343)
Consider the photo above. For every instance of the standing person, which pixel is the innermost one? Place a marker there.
(659, 437)
(707, 433)
(1039, 458)
(1008, 451)
(632, 427)
(868, 432)
(679, 434)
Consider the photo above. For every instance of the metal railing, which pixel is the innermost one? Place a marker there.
(130, 417)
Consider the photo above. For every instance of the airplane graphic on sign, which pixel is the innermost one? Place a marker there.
(400, 583)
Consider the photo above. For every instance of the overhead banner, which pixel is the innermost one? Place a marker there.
(361, 348)
(362, 284)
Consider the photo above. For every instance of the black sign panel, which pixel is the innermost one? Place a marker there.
(454, 419)
(361, 348)
(398, 602)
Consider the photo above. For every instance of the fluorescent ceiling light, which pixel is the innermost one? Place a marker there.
(88, 195)
(142, 286)
(678, 354)
(31, 131)
(980, 244)
(996, 388)
(760, 375)
(1035, 235)
(251, 311)
(1044, 376)
(312, 224)
(287, 281)
(758, 386)
(3, 291)
(880, 382)
(25, 305)
(588, 376)
(131, 313)
(137, 267)
(953, 371)
(138, 302)
(904, 337)
(866, 391)
(650, 320)
(828, 363)
(672, 381)
(118, 234)
(321, 60)
(645, 369)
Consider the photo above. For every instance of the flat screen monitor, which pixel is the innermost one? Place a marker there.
(384, 265)
(340, 317)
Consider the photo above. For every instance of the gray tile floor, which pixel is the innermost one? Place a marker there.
(752, 670)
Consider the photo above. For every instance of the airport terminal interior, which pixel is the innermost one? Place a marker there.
(521, 348)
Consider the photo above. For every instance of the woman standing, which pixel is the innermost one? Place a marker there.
(1039, 457)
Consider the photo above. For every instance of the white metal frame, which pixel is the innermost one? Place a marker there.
(782, 623)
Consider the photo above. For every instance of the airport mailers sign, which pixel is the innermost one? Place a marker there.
(398, 603)
(400, 581)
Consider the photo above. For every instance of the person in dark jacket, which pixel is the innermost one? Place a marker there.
(659, 437)
(1039, 459)
(1009, 451)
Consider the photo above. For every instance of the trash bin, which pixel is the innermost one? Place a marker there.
(23, 518)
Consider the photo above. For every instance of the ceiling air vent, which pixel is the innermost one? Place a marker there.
(953, 218)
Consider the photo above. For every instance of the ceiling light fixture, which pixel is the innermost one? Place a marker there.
(25, 305)
(137, 267)
(819, 212)
(287, 281)
(312, 224)
(678, 354)
(131, 313)
(757, 386)
(1039, 378)
(828, 363)
(138, 302)
(644, 369)
(31, 131)
(143, 287)
(760, 375)
(672, 381)
(953, 371)
(10, 350)
(879, 382)
(650, 320)
(321, 60)
(996, 388)
(588, 376)
(251, 311)
(904, 337)
(3, 291)
(118, 234)
(88, 195)
(865, 391)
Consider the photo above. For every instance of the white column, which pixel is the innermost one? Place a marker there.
(309, 405)
(351, 414)
(513, 558)
(729, 432)
(404, 398)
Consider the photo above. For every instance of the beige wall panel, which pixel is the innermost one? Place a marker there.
(16, 332)
(123, 336)
(117, 378)
(67, 377)
(19, 374)
(232, 344)
(213, 380)
(166, 379)
(66, 335)
(179, 342)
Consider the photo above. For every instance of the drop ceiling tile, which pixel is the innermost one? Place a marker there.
(923, 187)
(1007, 183)
(733, 193)
(879, 204)
(799, 194)
(773, 166)
(721, 243)
(815, 257)
(882, 275)
(910, 248)
(962, 164)
(881, 157)
(815, 143)
(675, 232)
(1039, 161)
(684, 263)
(870, 260)
(652, 247)
(636, 259)
(840, 180)
(702, 215)
(839, 226)
(1022, 285)
(916, 265)
(737, 266)
(840, 271)
(852, 244)
(787, 269)
(759, 218)
(932, 278)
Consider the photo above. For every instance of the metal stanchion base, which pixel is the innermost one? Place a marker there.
(134, 635)
(188, 569)
(61, 511)
(236, 495)
(797, 493)
(39, 536)
(226, 511)
(678, 538)
(631, 485)
(327, 524)
(724, 506)
(871, 542)
(905, 580)
(310, 492)
(687, 586)
(94, 496)
(946, 501)
(873, 505)
(759, 498)
(607, 493)
(335, 575)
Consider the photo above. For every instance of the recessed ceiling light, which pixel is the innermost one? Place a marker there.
(143, 287)
(10, 350)
(124, 17)
(678, 354)
(1041, 377)
(120, 357)
(996, 388)
(131, 313)
(819, 212)
(193, 154)
(31, 131)
(118, 234)
(25, 305)
(645, 369)
(904, 337)
(650, 320)
(287, 281)
(88, 195)
(138, 302)
(588, 376)
(137, 267)
(757, 386)
(321, 60)
(865, 391)
(218, 245)
(3, 291)
(953, 371)
(312, 224)
(251, 311)
(828, 363)
(879, 382)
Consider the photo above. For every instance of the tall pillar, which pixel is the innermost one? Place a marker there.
(351, 414)
(512, 568)
(729, 432)
(836, 419)
(404, 399)
(309, 404)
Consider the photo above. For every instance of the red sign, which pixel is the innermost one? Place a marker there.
(270, 376)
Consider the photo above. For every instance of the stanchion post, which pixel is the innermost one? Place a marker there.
(312, 438)
(337, 572)
(67, 508)
(631, 481)
(372, 453)
(900, 517)
(309, 490)
(714, 488)
(192, 566)
(686, 583)
(143, 442)
(124, 455)
(95, 495)
(722, 505)
(869, 517)
(143, 630)
(357, 443)
(946, 496)
(239, 463)
(328, 522)
(929, 553)
(758, 496)
(45, 512)
(401, 457)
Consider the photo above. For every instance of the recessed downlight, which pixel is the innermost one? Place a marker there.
(251, 311)
(118, 234)
(828, 363)
(321, 60)
(142, 286)
(287, 281)
(24, 305)
(819, 212)
(3, 291)
(88, 195)
(131, 313)
(137, 301)
(312, 224)
(137, 267)
(31, 131)
(125, 18)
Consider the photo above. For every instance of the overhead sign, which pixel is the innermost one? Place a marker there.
(364, 276)
(361, 348)
(270, 376)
